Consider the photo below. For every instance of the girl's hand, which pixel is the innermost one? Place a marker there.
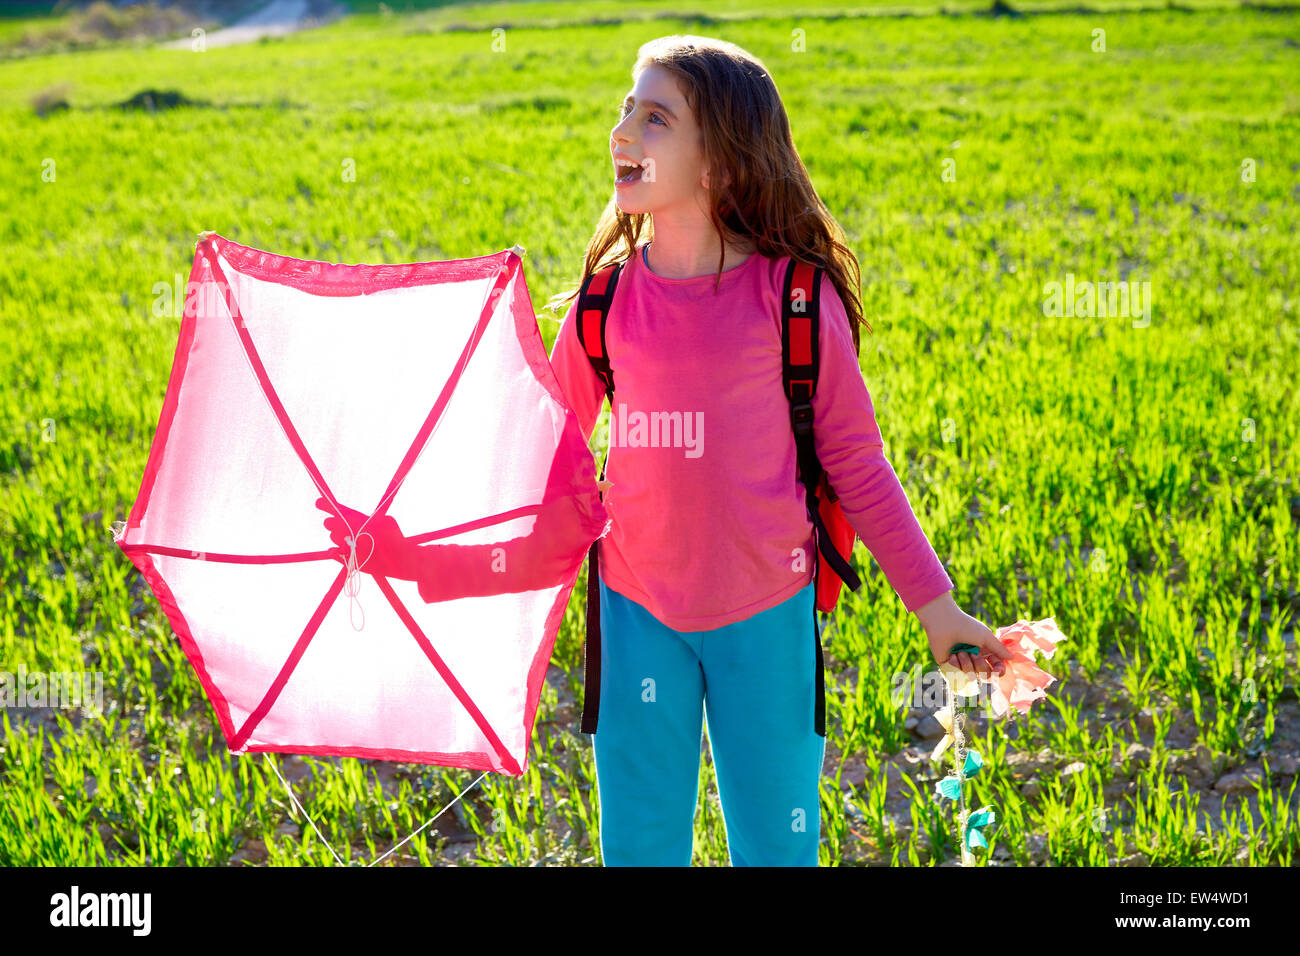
(382, 548)
(947, 625)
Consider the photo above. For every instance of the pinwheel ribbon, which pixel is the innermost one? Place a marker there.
(950, 787)
(975, 823)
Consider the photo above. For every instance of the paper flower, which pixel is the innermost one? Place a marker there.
(1022, 681)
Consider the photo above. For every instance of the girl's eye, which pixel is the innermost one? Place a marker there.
(623, 110)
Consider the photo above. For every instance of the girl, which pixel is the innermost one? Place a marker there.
(706, 575)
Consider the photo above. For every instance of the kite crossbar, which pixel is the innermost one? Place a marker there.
(304, 812)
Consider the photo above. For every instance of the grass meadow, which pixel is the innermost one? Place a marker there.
(1132, 477)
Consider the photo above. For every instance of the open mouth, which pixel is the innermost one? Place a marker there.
(627, 174)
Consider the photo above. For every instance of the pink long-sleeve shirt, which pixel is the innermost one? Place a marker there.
(708, 523)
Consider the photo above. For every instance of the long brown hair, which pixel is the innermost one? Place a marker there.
(761, 189)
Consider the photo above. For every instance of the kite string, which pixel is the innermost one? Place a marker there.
(434, 817)
(304, 812)
(352, 586)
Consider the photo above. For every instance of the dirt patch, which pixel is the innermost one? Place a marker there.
(218, 22)
(275, 18)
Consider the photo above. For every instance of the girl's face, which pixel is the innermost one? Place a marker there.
(657, 129)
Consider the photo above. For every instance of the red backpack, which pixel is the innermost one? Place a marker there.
(800, 354)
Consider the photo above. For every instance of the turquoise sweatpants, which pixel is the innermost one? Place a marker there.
(755, 681)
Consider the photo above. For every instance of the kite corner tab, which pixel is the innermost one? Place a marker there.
(518, 250)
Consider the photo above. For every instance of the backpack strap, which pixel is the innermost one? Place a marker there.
(594, 300)
(800, 363)
(800, 358)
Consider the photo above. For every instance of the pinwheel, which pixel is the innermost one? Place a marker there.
(1019, 684)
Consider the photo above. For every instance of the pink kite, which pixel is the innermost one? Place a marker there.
(403, 405)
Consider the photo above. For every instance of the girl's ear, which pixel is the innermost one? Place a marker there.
(704, 180)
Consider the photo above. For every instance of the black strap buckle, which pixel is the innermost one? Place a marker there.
(801, 417)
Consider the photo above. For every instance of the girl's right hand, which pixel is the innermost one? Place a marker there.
(381, 547)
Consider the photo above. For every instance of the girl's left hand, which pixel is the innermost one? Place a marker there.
(946, 625)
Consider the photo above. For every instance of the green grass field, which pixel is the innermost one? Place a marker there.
(1133, 479)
